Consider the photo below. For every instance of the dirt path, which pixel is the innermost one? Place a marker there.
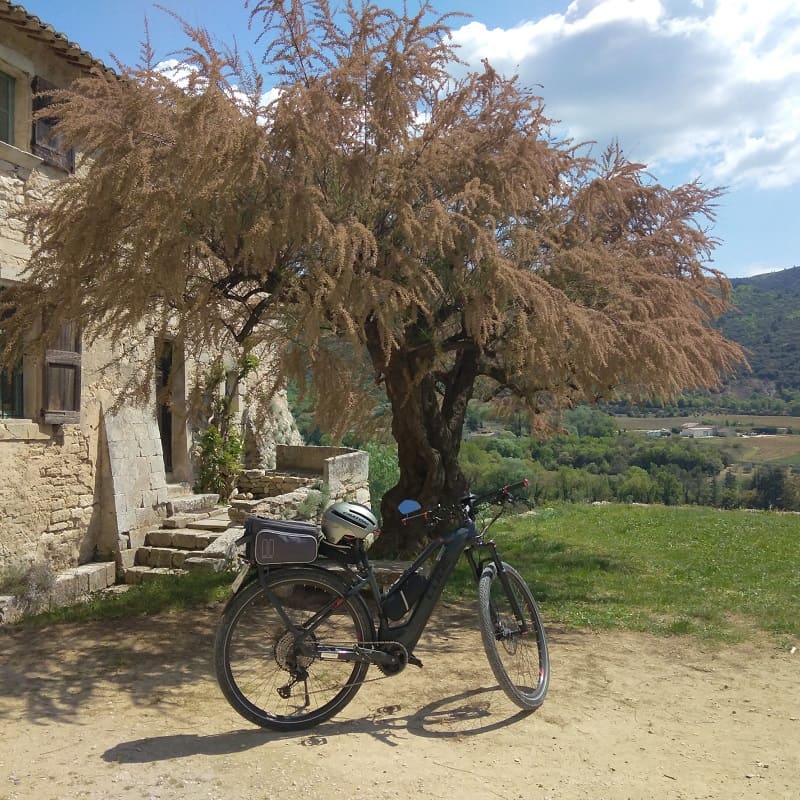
(132, 711)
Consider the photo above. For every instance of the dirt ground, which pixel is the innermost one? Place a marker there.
(132, 710)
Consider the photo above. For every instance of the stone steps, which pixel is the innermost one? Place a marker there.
(184, 543)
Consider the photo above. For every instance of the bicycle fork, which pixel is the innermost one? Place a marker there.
(496, 566)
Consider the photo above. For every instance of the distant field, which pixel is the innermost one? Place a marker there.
(783, 449)
(722, 420)
(761, 449)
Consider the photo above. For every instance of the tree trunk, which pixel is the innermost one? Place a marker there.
(428, 412)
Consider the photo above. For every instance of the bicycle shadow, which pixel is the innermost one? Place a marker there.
(456, 716)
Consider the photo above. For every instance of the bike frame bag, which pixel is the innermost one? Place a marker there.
(281, 541)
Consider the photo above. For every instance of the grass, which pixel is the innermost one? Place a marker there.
(717, 574)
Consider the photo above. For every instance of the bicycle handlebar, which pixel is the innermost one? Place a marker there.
(468, 505)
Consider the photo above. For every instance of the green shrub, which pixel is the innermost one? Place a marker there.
(219, 461)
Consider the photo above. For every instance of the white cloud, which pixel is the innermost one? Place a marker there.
(715, 82)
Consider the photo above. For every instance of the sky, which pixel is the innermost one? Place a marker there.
(695, 89)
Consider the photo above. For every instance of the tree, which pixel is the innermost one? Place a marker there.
(377, 220)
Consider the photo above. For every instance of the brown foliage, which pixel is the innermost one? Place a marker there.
(430, 221)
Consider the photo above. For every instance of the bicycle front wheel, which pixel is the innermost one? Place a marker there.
(262, 671)
(516, 646)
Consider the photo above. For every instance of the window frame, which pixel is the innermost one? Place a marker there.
(7, 128)
(12, 378)
(44, 144)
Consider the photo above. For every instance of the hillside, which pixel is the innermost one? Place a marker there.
(766, 322)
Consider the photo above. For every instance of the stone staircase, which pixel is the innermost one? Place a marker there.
(197, 535)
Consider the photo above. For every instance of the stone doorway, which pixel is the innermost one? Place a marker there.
(171, 411)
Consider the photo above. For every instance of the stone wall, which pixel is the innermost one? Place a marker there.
(264, 483)
(47, 495)
(304, 475)
(344, 471)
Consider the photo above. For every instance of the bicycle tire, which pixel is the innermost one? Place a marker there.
(255, 658)
(521, 670)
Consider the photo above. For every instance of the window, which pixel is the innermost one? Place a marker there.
(45, 144)
(51, 394)
(11, 396)
(6, 108)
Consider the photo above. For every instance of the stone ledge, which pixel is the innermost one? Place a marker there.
(69, 587)
(191, 504)
(22, 430)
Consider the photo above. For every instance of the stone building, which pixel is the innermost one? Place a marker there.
(82, 477)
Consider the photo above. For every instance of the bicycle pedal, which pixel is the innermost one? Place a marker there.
(415, 661)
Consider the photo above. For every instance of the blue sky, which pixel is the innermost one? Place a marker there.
(705, 89)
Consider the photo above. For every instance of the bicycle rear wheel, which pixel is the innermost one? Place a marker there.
(261, 670)
(516, 648)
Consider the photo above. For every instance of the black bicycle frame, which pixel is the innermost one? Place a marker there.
(450, 546)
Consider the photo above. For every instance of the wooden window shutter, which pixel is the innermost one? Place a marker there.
(62, 378)
(45, 143)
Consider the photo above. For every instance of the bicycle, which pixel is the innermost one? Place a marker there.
(296, 639)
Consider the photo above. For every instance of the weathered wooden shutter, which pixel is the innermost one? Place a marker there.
(45, 143)
(62, 378)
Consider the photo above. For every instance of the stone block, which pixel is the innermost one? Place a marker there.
(96, 576)
(203, 564)
(137, 538)
(160, 557)
(224, 546)
(144, 516)
(215, 524)
(159, 538)
(59, 526)
(111, 572)
(127, 559)
(133, 575)
(142, 557)
(81, 579)
(61, 515)
(65, 590)
(158, 573)
(186, 539)
(192, 504)
(203, 540)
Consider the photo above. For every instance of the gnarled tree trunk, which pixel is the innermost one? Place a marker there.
(428, 412)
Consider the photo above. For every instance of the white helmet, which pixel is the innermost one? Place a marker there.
(348, 519)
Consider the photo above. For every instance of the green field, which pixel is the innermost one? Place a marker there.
(716, 574)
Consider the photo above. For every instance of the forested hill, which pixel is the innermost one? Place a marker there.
(767, 323)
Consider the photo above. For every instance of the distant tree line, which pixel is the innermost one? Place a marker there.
(592, 462)
(782, 402)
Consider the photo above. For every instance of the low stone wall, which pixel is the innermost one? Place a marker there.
(306, 478)
(70, 587)
(264, 483)
(344, 471)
